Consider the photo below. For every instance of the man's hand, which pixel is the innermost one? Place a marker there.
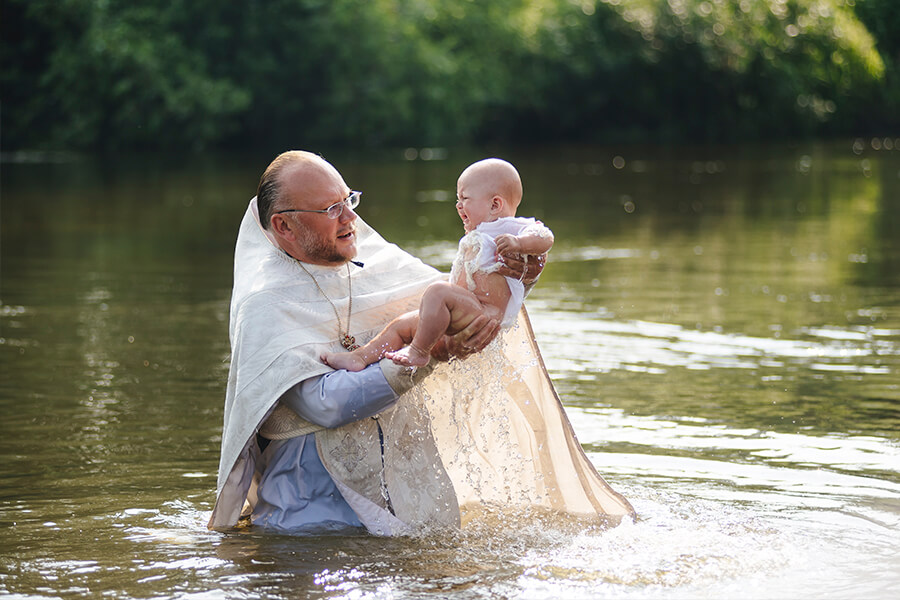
(474, 338)
(516, 266)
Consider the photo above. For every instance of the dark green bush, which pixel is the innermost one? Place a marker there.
(94, 74)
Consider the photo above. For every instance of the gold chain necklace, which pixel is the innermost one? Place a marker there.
(347, 340)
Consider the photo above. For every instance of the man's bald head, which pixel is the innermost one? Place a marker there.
(270, 195)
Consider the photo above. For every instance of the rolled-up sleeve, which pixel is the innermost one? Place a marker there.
(341, 397)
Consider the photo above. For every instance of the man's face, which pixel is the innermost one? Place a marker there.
(314, 237)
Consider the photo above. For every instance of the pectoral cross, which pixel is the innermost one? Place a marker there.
(349, 342)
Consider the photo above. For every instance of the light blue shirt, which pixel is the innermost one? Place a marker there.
(296, 493)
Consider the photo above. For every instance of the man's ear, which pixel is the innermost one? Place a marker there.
(281, 227)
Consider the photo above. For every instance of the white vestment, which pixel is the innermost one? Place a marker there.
(488, 432)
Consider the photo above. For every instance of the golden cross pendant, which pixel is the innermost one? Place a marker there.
(349, 342)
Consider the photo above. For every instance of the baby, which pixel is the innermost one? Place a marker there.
(488, 193)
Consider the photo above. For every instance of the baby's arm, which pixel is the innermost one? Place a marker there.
(531, 241)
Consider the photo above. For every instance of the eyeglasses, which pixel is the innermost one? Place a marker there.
(334, 211)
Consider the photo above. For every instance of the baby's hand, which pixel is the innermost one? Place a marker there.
(507, 244)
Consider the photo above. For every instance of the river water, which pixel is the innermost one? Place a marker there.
(722, 325)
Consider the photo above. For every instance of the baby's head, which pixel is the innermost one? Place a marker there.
(487, 190)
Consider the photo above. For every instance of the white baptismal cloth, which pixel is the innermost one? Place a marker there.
(478, 252)
(488, 431)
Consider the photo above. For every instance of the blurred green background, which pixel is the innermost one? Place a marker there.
(720, 313)
(146, 74)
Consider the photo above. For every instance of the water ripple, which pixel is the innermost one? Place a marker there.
(578, 343)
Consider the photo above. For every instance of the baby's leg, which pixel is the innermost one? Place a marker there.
(396, 334)
(445, 308)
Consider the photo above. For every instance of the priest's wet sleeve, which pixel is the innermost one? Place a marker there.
(341, 397)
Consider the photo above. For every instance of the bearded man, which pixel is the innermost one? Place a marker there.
(306, 448)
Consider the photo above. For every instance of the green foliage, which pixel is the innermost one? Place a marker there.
(882, 18)
(710, 69)
(111, 74)
(141, 73)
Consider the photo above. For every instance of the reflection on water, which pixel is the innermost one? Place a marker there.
(722, 324)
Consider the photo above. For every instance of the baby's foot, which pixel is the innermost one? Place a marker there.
(410, 356)
(343, 360)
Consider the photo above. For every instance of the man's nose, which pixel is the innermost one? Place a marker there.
(347, 215)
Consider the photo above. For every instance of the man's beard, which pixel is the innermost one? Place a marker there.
(318, 248)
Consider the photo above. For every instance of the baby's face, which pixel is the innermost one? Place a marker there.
(473, 203)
